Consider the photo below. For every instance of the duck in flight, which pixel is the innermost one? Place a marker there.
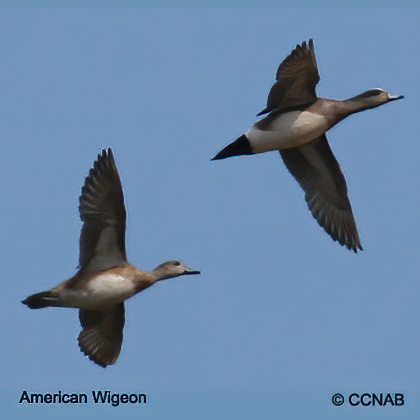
(105, 278)
(295, 125)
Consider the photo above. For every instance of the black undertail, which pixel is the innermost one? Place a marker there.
(241, 146)
(39, 300)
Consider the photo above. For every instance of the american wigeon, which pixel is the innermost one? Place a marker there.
(296, 124)
(105, 278)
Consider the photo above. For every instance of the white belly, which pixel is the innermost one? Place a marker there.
(104, 290)
(292, 129)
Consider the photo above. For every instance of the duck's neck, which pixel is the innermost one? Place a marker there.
(145, 279)
(338, 110)
(159, 273)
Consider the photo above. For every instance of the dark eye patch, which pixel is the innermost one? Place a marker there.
(369, 93)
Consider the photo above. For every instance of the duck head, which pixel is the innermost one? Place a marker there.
(171, 269)
(374, 97)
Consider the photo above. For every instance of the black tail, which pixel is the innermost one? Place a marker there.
(39, 300)
(240, 146)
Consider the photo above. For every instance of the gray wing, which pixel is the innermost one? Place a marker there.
(102, 210)
(102, 334)
(297, 77)
(318, 173)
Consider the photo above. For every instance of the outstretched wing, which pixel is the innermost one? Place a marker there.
(102, 210)
(297, 77)
(102, 334)
(318, 173)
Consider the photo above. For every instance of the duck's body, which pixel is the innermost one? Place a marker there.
(289, 129)
(95, 290)
(295, 126)
(105, 278)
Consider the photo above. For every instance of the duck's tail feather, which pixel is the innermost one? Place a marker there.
(40, 300)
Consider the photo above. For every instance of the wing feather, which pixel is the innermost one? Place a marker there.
(297, 77)
(102, 334)
(102, 210)
(318, 173)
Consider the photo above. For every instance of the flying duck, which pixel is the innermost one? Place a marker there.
(295, 125)
(105, 278)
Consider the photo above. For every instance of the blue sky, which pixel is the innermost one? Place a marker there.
(281, 317)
